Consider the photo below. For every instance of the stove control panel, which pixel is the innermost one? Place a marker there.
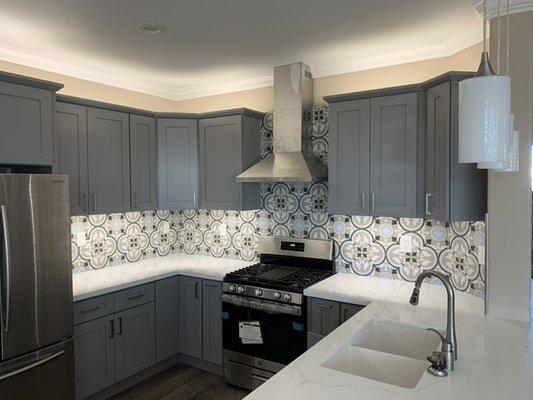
(293, 246)
(262, 293)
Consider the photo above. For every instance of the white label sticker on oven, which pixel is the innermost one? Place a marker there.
(250, 332)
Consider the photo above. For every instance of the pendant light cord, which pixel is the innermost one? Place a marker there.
(499, 39)
(508, 40)
(484, 26)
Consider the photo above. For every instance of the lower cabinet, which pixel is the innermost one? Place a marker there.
(134, 340)
(212, 322)
(94, 356)
(166, 318)
(324, 316)
(190, 316)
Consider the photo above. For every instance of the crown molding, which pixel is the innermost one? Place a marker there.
(197, 91)
(515, 6)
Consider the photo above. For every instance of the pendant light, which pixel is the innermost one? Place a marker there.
(484, 112)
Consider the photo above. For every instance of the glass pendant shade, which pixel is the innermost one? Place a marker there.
(484, 119)
(502, 165)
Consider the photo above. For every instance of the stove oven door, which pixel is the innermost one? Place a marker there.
(281, 328)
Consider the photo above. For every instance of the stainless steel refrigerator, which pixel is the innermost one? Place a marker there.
(36, 350)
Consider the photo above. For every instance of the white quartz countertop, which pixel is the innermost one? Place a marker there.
(363, 290)
(97, 282)
(495, 357)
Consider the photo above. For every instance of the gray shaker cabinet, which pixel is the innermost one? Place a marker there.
(454, 191)
(166, 314)
(70, 128)
(26, 129)
(94, 356)
(178, 163)
(190, 316)
(349, 161)
(134, 340)
(109, 161)
(347, 311)
(323, 316)
(143, 155)
(394, 163)
(212, 322)
(228, 146)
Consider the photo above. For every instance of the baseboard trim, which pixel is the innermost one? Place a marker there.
(147, 373)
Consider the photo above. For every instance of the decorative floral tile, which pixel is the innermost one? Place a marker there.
(363, 245)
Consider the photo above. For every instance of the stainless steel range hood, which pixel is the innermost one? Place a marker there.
(292, 159)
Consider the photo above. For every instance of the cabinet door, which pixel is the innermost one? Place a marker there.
(323, 316)
(190, 316)
(437, 152)
(70, 128)
(212, 324)
(220, 162)
(178, 163)
(348, 311)
(143, 163)
(166, 318)
(349, 158)
(134, 341)
(94, 356)
(109, 161)
(26, 128)
(393, 156)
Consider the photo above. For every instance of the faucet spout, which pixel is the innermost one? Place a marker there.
(449, 341)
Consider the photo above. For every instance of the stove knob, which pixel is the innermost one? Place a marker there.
(240, 290)
(277, 295)
(287, 297)
(258, 292)
(232, 288)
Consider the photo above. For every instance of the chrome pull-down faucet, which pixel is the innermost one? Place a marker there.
(441, 362)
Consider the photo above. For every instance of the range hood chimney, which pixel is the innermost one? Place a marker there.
(292, 159)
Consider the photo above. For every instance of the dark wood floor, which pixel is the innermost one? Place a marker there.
(184, 383)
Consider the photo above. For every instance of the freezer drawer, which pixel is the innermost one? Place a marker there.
(47, 374)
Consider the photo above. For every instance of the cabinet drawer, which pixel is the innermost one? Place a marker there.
(134, 296)
(90, 309)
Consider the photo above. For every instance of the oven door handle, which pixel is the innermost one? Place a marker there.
(262, 305)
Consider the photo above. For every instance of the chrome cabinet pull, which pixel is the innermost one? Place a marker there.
(84, 204)
(194, 199)
(112, 329)
(33, 365)
(428, 196)
(93, 195)
(373, 201)
(89, 310)
(363, 201)
(137, 296)
(7, 252)
(259, 378)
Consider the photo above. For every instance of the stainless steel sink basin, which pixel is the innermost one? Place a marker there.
(387, 352)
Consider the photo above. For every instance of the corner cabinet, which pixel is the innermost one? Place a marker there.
(394, 152)
(177, 141)
(26, 112)
(454, 191)
(143, 155)
(229, 145)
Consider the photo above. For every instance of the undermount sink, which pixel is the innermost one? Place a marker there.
(385, 351)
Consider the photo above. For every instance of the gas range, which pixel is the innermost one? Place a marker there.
(264, 316)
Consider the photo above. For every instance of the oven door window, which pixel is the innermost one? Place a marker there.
(283, 335)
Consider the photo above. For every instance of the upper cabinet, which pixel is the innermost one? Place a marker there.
(26, 112)
(454, 191)
(375, 156)
(394, 152)
(177, 141)
(143, 154)
(229, 145)
(109, 161)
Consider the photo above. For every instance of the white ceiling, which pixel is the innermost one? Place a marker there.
(217, 46)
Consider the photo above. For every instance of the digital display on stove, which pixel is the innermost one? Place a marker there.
(293, 246)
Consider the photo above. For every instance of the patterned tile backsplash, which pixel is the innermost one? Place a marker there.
(364, 245)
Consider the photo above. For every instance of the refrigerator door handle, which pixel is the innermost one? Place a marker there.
(7, 247)
(32, 365)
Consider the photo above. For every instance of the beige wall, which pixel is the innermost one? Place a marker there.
(509, 194)
(259, 99)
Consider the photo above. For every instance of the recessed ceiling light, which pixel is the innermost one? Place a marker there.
(148, 28)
